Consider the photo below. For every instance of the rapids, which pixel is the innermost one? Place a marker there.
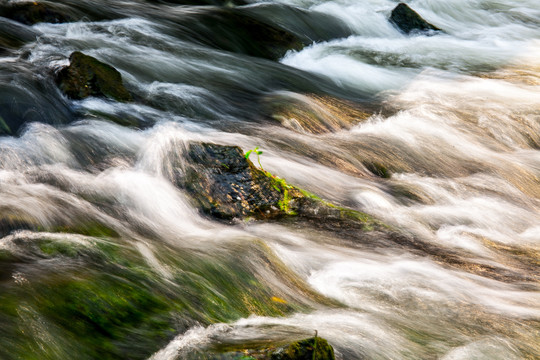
(113, 261)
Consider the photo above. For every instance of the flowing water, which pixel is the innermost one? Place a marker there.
(112, 261)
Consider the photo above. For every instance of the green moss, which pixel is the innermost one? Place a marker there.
(308, 349)
(54, 248)
(92, 228)
(4, 128)
(285, 189)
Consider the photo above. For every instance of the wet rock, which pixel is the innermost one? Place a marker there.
(30, 13)
(201, 2)
(407, 20)
(14, 35)
(308, 349)
(240, 33)
(315, 114)
(87, 76)
(226, 185)
(378, 169)
(13, 222)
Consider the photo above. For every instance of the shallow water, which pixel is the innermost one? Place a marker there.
(113, 260)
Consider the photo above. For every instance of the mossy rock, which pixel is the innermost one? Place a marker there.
(225, 184)
(308, 349)
(407, 20)
(87, 76)
(31, 12)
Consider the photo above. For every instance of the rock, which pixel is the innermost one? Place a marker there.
(378, 169)
(315, 114)
(201, 2)
(87, 76)
(30, 13)
(13, 35)
(408, 20)
(308, 349)
(239, 33)
(10, 222)
(226, 185)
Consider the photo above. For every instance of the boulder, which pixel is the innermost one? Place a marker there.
(226, 185)
(407, 20)
(239, 32)
(308, 349)
(87, 76)
(30, 13)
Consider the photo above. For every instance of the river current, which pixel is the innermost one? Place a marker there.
(454, 117)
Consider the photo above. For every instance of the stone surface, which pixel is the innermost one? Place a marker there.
(87, 76)
(407, 20)
(308, 349)
(240, 33)
(226, 185)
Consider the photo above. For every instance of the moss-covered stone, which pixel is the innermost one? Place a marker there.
(32, 12)
(87, 76)
(308, 349)
(225, 184)
(408, 20)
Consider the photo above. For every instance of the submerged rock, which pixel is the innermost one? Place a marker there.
(14, 35)
(30, 13)
(239, 32)
(87, 76)
(315, 114)
(308, 349)
(408, 20)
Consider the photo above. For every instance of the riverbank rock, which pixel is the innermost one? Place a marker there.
(86, 76)
(30, 13)
(308, 349)
(407, 20)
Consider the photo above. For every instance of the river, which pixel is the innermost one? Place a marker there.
(112, 261)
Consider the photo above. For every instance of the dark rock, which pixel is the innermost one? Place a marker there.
(239, 32)
(87, 76)
(13, 35)
(227, 185)
(13, 222)
(30, 13)
(408, 20)
(378, 169)
(308, 349)
(201, 2)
